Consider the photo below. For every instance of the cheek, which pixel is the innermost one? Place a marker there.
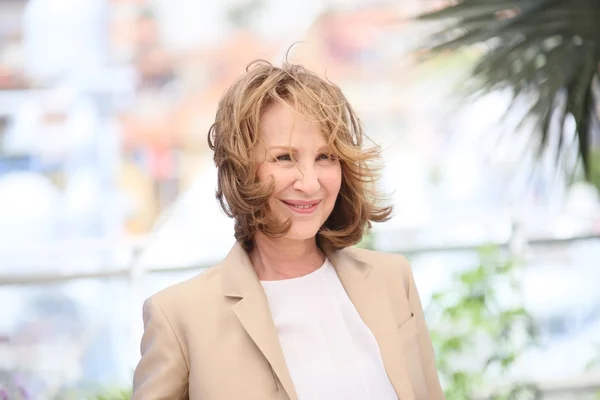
(332, 181)
(282, 178)
(264, 172)
(264, 176)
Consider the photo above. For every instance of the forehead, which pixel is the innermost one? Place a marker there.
(281, 125)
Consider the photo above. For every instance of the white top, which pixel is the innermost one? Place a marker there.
(329, 351)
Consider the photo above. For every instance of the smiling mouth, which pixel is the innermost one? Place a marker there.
(302, 207)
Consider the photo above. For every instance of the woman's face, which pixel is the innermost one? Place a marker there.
(305, 191)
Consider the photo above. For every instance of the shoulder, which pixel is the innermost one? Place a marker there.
(386, 260)
(393, 266)
(191, 295)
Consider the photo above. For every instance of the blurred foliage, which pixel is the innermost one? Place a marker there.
(115, 393)
(367, 241)
(124, 394)
(12, 393)
(469, 315)
(10, 387)
(594, 364)
(545, 51)
(595, 168)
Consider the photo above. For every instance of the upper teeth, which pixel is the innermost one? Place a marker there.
(302, 206)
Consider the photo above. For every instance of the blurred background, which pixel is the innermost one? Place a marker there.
(107, 183)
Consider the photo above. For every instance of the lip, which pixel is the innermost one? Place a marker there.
(308, 207)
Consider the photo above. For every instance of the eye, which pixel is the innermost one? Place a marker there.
(326, 157)
(284, 157)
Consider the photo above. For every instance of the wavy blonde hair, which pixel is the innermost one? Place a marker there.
(234, 137)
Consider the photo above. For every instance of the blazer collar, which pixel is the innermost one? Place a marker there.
(252, 310)
(367, 291)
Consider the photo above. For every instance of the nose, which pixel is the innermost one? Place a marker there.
(307, 180)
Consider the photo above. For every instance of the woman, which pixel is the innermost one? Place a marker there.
(292, 312)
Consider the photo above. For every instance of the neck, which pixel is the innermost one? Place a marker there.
(283, 258)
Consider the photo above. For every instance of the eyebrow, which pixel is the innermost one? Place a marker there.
(288, 148)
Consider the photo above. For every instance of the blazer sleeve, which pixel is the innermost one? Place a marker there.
(425, 345)
(162, 372)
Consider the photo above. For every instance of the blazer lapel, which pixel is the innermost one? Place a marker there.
(369, 294)
(252, 310)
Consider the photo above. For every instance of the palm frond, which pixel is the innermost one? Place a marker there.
(548, 48)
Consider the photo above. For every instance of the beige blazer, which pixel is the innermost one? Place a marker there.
(212, 337)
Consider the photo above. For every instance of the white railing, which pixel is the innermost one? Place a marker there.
(136, 247)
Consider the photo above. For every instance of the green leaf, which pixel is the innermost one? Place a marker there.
(454, 343)
(548, 49)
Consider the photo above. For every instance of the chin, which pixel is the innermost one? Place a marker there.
(300, 237)
(302, 232)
